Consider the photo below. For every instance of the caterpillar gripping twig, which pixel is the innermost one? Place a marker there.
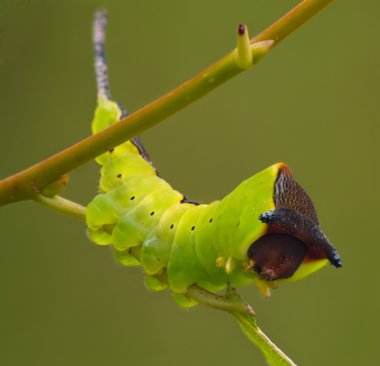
(264, 231)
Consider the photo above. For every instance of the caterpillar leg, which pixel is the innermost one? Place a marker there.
(264, 289)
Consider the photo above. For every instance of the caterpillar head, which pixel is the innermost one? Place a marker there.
(294, 245)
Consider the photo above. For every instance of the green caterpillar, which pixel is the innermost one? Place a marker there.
(265, 231)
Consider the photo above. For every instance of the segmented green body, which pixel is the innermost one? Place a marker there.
(152, 225)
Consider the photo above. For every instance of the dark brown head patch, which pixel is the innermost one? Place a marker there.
(295, 216)
(277, 256)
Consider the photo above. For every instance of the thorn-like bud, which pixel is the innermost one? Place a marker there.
(230, 265)
(244, 52)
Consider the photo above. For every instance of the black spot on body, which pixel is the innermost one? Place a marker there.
(193, 228)
(210, 221)
(171, 226)
(152, 213)
(119, 176)
(132, 198)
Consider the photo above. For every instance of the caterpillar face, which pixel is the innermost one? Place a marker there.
(293, 234)
(277, 256)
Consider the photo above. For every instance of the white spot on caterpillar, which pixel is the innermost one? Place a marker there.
(230, 265)
(220, 261)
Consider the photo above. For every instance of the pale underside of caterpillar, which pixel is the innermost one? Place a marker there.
(264, 231)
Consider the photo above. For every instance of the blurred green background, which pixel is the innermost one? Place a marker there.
(312, 103)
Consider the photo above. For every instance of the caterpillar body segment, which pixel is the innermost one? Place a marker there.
(137, 222)
(264, 231)
(156, 249)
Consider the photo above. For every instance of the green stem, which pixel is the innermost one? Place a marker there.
(273, 355)
(245, 316)
(62, 205)
(25, 184)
